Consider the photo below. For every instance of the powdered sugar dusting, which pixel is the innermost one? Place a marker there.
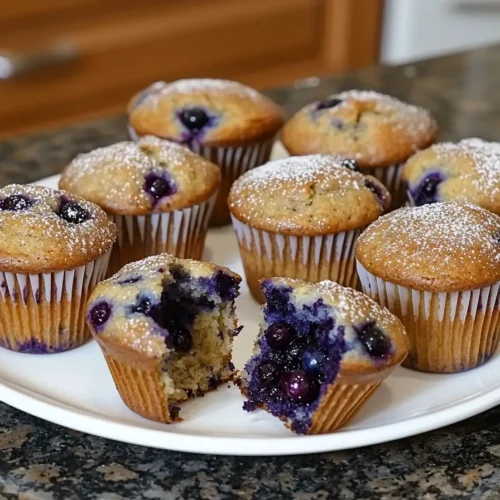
(311, 194)
(208, 86)
(485, 176)
(413, 121)
(54, 236)
(125, 165)
(299, 170)
(445, 235)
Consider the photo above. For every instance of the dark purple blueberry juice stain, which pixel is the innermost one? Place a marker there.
(99, 314)
(15, 203)
(427, 191)
(374, 341)
(158, 186)
(183, 298)
(300, 355)
(35, 346)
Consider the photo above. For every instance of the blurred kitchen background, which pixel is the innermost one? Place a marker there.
(68, 60)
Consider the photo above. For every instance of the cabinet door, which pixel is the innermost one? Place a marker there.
(116, 47)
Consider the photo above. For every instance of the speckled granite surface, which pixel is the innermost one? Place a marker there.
(39, 460)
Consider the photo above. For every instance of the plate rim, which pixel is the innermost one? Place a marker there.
(64, 415)
(71, 417)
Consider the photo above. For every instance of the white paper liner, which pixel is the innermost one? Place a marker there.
(27, 302)
(233, 162)
(390, 177)
(312, 258)
(180, 233)
(464, 323)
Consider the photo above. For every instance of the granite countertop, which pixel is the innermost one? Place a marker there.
(40, 460)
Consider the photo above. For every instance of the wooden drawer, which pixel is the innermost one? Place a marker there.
(123, 45)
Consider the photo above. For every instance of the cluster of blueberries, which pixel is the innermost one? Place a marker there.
(69, 211)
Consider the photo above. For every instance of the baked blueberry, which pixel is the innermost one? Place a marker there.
(427, 191)
(279, 335)
(377, 191)
(159, 186)
(375, 342)
(194, 118)
(15, 202)
(100, 314)
(183, 340)
(268, 372)
(225, 286)
(330, 102)
(350, 164)
(299, 387)
(313, 361)
(72, 212)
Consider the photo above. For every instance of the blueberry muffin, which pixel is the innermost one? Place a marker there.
(166, 328)
(230, 124)
(377, 131)
(300, 217)
(54, 249)
(437, 267)
(322, 351)
(468, 170)
(160, 194)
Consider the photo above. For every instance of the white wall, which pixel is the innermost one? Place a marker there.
(416, 29)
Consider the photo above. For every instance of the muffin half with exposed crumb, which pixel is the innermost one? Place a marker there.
(322, 351)
(166, 328)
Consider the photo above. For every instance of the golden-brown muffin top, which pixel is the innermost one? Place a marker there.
(43, 230)
(207, 111)
(152, 175)
(443, 247)
(374, 129)
(468, 170)
(307, 195)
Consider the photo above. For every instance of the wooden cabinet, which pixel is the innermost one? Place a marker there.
(84, 58)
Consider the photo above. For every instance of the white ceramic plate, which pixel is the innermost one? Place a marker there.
(75, 389)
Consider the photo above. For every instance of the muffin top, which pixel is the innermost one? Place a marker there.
(468, 170)
(152, 175)
(145, 309)
(307, 195)
(43, 230)
(205, 111)
(443, 247)
(374, 129)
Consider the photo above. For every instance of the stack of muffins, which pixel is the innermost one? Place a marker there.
(311, 230)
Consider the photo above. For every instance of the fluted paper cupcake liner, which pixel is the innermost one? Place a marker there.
(181, 233)
(140, 389)
(390, 177)
(311, 258)
(45, 313)
(233, 161)
(448, 332)
(340, 404)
